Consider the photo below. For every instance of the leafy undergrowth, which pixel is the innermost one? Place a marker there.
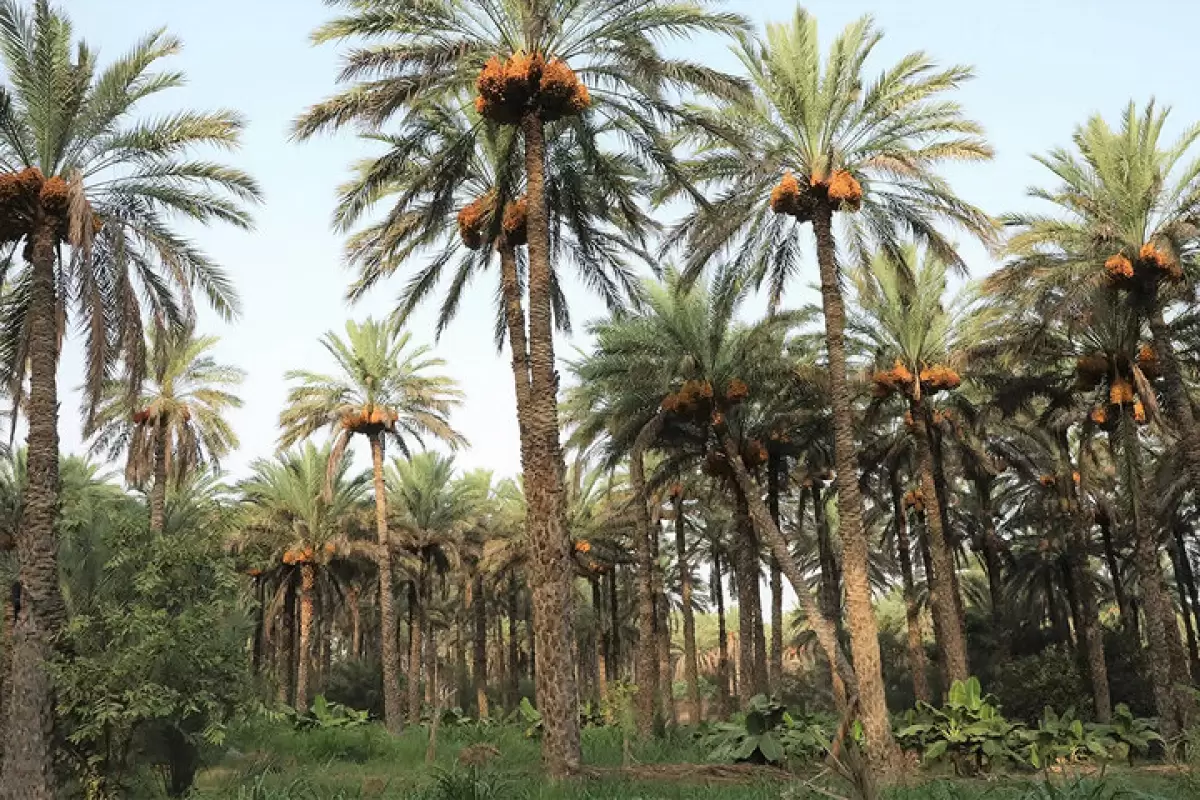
(274, 761)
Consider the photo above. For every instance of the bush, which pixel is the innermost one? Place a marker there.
(1025, 686)
(358, 683)
(969, 730)
(767, 735)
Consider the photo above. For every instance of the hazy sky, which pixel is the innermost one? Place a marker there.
(1043, 66)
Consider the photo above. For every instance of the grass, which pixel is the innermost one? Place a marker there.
(270, 761)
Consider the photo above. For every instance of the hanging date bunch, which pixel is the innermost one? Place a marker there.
(369, 419)
(24, 195)
(1149, 265)
(840, 189)
(523, 84)
(694, 400)
(476, 219)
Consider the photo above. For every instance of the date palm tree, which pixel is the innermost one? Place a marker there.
(606, 54)
(91, 188)
(176, 422)
(299, 521)
(836, 144)
(387, 391)
(901, 322)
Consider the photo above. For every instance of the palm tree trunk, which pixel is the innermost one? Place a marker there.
(355, 622)
(600, 641)
(822, 626)
(514, 656)
(1179, 402)
(431, 652)
(718, 589)
(912, 613)
(991, 547)
(543, 468)
(1189, 581)
(691, 666)
(1178, 559)
(745, 570)
(648, 699)
(1089, 633)
(831, 579)
(1172, 705)
(941, 590)
(285, 644)
(393, 714)
(881, 751)
(614, 650)
(775, 666)
(416, 627)
(662, 623)
(28, 766)
(304, 659)
(158, 492)
(479, 671)
(1129, 618)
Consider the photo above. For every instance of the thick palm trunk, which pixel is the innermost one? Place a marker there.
(881, 751)
(1172, 705)
(416, 629)
(479, 670)
(952, 638)
(718, 589)
(389, 627)
(912, 613)
(1090, 633)
(304, 657)
(158, 492)
(355, 622)
(648, 699)
(543, 468)
(28, 766)
(285, 645)
(691, 667)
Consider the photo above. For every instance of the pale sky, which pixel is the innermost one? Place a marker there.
(1042, 67)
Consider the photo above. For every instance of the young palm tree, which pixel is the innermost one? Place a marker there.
(564, 58)
(385, 391)
(175, 422)
(835, 143)
(682, 375)
(301, 519)
(431, 512)
(903, 325)
(91, 189)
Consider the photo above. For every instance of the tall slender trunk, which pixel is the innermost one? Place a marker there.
(158, 492)
(912, 612)
(991, 547)
(393, 714)
(257, 654)
(1189, 581)
(1179, 402)
(927, 566)
(284, 645)
(952, 642)
(1129, 619)
(648, 699)
(304, 658)
(479, 670)
(601, 639)
(416, 631)
(543, 468)
(514, 655)
(691, 667)
(881, 751)
(831, 578)
(662, 624)
(1088, 629)
(775, 466)
(614, 609)
(718, 589)
(355, 621)
(431, 650)
(821, 625)
(1178, 559)
(28, 766)
(1172, 706)
(745, 570)
(943, 502)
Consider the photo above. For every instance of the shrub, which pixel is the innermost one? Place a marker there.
(767, 734)
(358, 683)
(969, 730)
(1026, 685)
